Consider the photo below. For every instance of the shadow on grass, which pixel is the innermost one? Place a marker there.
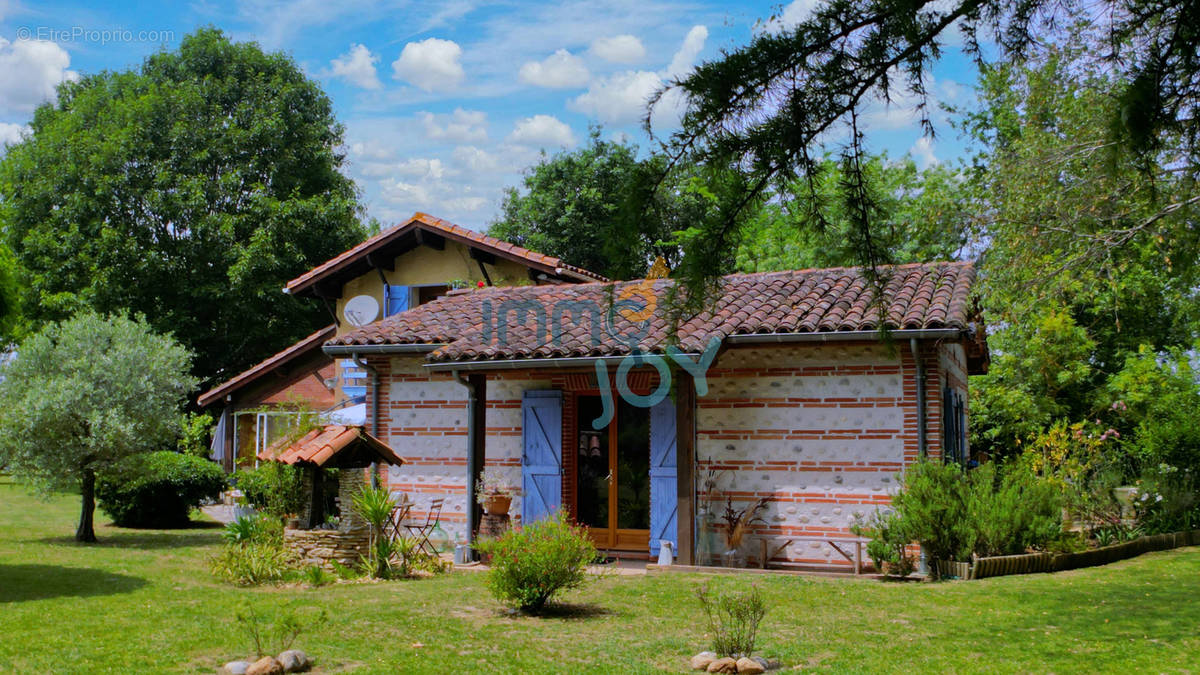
(568, 612)
(202, 534)
(19, 583)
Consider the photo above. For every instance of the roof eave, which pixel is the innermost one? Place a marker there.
(350, 350)
(846, 336)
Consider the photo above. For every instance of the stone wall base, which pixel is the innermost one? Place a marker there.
(324, 547)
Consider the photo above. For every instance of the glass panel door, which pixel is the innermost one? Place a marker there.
(592, 470)
(633, 467)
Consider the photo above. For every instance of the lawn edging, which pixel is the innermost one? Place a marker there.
(1031, 563)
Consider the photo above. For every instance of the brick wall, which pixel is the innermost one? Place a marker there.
(423, 417)
(821, 430)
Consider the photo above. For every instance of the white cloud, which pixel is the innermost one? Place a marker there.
(542, 131)
(792, 14)
(922, 153)
(29, 72)
(418, 196)
(476, 160)
(685, 59)
(619, 49)
(370, 151)
(460, 126)
(432, 64)
(618, 99)
(11, 134)
(357, 67)
(419, 167)
(621, 98)
(560, 70)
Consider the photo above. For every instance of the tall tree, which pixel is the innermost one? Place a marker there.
(84, 393)
(920, 214)
(1090, 250)
(12, 324)
(597, 207)
(188, 190)
(768, 107)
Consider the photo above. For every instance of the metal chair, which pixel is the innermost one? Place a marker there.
(421, 531)
(393, 529)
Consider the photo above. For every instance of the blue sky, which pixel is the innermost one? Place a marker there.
(445, 103)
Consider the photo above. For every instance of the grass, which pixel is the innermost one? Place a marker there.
(143, 601)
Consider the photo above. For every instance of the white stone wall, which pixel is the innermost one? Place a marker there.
(818, 429)
(425, 422)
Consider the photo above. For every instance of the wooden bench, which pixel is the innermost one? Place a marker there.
(767, 553)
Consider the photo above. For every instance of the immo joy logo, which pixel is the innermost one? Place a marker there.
(627, 320)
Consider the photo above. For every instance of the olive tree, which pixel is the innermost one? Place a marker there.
(84, 393)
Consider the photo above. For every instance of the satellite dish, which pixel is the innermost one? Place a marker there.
(361, 310)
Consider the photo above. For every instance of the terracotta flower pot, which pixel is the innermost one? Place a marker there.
(497, 505)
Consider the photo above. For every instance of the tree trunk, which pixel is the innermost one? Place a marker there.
(86, 533)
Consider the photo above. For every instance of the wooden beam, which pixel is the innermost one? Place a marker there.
(326, 291)
(482, 256)
(685, 465)
(434, 241)
(479, 449)
(381, 262)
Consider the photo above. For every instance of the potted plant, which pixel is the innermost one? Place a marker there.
(736, 522)
(494, 492)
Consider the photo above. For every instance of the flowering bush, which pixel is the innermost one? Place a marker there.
(532, 564)
(1165, 500)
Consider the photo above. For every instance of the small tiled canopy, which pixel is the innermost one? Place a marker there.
(336, 446)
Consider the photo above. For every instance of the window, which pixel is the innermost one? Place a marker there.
(954, 427)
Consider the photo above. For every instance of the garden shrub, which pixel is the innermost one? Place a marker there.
(1012, 510)
(157, 489)
(888, 544)
(275, 630)
(273, 487)
(532, 564)
(252, 564)
(256, 529)
(932, 510)
(733, 619)
(995, 509)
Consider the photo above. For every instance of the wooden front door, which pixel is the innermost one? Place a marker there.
(613, 474)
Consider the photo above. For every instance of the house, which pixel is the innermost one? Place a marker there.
(403, 267)
(805, 387)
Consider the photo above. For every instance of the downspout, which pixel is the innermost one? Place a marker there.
(921, 449)
(358, 361)
(472, 433)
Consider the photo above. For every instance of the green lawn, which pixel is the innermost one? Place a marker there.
(143, 601)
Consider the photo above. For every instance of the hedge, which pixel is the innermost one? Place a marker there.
(157, 489)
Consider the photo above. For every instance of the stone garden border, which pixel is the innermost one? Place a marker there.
(1031, 563)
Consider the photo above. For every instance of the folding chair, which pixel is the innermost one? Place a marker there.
(421, 531)
(393, 528)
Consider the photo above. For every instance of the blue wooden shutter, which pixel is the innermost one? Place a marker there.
(395, 299)
(664, 504)
(541, 455)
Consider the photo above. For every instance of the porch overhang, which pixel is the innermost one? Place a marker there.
(334, 446)
(559, 362)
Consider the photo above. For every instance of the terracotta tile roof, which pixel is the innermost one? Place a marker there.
(311, 343)
(428, 223)
(560, 320)
(322, 445)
